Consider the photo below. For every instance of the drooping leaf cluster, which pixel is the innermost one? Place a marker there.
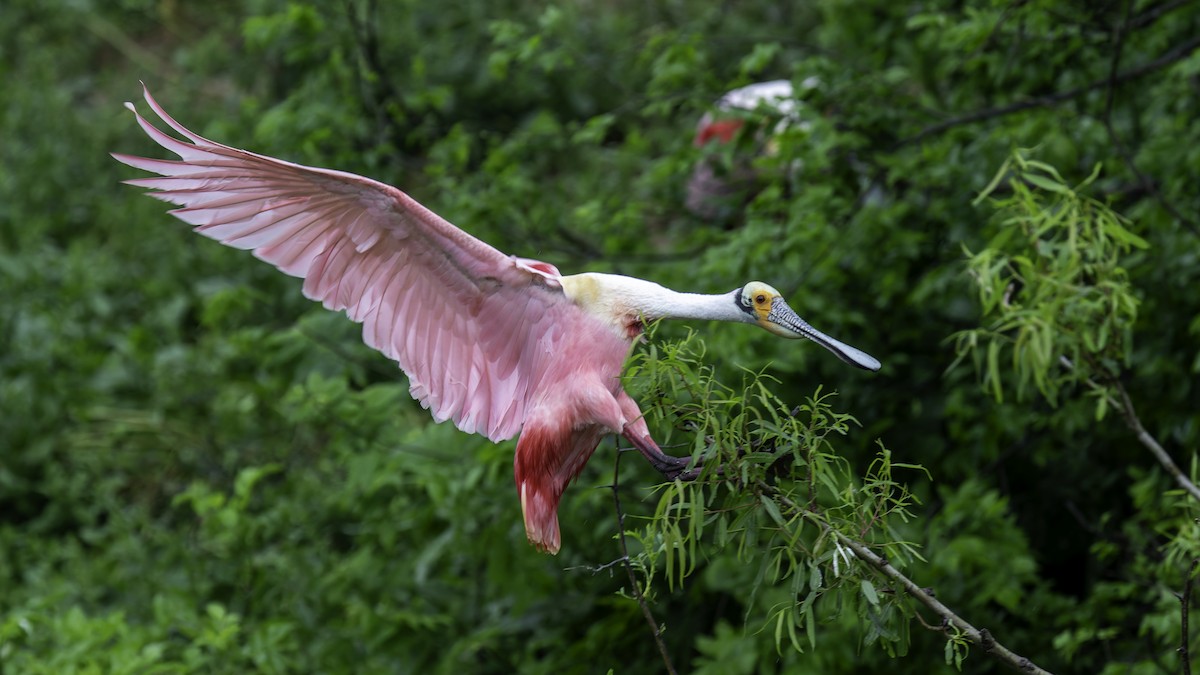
(1052, 284)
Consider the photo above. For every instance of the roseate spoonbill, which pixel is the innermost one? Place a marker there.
(713, 194)
(497, 344)
(716, 194)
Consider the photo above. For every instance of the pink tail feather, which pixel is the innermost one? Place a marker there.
(550, 454)
(540, 508)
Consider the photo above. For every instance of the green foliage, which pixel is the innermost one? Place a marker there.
(1051, 286)
(1054, 289)
(202, 472)
(776, 497)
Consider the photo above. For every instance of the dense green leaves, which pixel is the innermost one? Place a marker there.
(203, 472)
(1052, 285)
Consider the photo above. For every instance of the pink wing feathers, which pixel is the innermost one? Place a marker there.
(471, 327)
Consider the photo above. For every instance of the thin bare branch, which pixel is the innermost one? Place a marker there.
(145, 59)
(1156, 12)
(1148, 184)
(633, 582)
(1129, 414)
(377, 92)
(1135, 424)
(1172, 56)
(1185, 601)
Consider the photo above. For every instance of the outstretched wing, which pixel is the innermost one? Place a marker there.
(471, 327)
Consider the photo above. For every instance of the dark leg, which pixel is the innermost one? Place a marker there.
(663, 463)
(639, 435)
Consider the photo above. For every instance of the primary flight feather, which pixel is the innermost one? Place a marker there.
(498, 345)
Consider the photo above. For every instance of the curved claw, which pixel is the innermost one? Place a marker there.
(688, 474)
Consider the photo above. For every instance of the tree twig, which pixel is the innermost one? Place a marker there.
(1114, 63)
(1148, 184)
(1135, 424)
(980, 637)
(377, 92)
(145, 59)
(1155, 12)
(1129, 414)
(1172, 56)
(633, 582)
(1184, 601)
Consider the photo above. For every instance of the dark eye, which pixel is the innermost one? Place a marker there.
(760, 298)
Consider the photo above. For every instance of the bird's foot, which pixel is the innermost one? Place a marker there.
(669, 466)
(686, 474)
(673, 467)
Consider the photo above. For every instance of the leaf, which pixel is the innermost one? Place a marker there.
(993, 184)
(772, 510)
(779, 620)
(993, 370)
(810, 627)
(868, 590)
(1045, 183)
(759, 58)
(1045, 168)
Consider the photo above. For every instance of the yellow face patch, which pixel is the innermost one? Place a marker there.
(762, 305)
(758, 297)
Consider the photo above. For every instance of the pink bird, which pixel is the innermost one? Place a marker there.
(715, 195)
(497, 344)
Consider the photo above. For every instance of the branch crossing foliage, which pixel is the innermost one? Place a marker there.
(775, 491)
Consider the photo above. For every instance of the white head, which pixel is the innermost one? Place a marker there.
(764, 306)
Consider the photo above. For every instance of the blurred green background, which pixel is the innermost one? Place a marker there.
(203, 472)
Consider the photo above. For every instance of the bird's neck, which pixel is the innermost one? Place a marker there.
(675, 305)
(626, 301)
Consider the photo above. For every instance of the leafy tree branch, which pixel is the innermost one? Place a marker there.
(1170, 57)
(769, 475)
(1055, 293)
(978, 637)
